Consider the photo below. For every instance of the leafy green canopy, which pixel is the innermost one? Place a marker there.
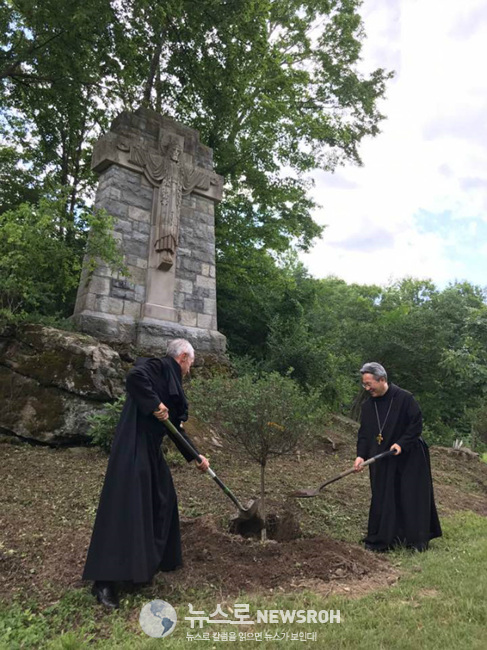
(272, 85)
(432, 343)
(39, 272)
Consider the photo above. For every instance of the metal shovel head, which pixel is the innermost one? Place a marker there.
(250, 511)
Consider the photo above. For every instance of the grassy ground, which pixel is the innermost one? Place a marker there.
(49, 498)
(439, 603)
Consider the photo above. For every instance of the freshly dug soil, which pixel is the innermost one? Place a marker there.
(46, 525)
(49, 499)
(233, 563)
(281, 526)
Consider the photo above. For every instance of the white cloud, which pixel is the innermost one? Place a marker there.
(430, 158)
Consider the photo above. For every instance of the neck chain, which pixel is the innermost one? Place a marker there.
(380, 438)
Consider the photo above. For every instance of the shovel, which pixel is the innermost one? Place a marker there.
(244, 514)
(313, 493)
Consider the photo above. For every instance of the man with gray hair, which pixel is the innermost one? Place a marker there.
(402, 510)
(136, 531)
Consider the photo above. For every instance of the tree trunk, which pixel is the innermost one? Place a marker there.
(263, 532)
(64, 180)
(73, 195)
(154, 64)
(357, 404)
(158, 87)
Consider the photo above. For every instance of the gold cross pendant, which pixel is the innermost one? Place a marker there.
(379, 438)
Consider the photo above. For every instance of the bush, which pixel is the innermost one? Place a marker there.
(439, 434)
(103, 424)
(41, 255)
(479, 429)
(102, 431)
(263, 415)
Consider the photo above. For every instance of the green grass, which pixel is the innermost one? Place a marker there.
(335, 519)
(439, 603)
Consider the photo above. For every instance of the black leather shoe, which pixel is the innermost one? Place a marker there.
(375, 549)
(106, 594)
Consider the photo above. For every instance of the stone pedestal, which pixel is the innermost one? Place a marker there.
(157, 181)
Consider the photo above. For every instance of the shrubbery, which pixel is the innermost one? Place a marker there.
(41, 256)
(264, 415)
(104, 423)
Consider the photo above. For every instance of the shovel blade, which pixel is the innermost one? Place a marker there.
(251, 511)
(302, 494)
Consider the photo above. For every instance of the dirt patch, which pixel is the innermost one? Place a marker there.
(48, 502)
(282, 526)
(451, 500)
(428, 593)
(233, 564)
(49, 498)
(460, 483)
(353, 588)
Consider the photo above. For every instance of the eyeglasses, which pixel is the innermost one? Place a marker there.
(367, 385)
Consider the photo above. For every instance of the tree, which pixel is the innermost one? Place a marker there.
(38, 272)
(18, 183)
(263, 416)
(55, 62)
(273, 85)
(270, 85)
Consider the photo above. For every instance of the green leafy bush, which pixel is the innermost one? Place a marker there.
(479, 428)
(41, 256)
(262, 414)
(103, 424)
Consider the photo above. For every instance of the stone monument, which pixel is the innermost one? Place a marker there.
(157, 181)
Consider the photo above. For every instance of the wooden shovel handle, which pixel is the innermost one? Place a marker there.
(180, 438)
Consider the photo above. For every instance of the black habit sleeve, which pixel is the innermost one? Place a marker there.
(189, 457)
(414, 424)
(140, 388)
(362, 441)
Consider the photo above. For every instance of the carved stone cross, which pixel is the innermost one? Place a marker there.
(173, 179)
(165, 170)
(158, 183)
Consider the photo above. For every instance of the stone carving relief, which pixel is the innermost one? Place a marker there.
(166, 171)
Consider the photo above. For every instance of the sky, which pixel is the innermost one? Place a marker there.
(418, 206)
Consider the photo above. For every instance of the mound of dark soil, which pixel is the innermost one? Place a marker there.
(281, 526)
(233, 563)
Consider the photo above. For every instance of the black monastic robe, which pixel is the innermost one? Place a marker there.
(402, 510)
(136, 531)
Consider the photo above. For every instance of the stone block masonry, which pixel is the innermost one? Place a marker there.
(157, 181)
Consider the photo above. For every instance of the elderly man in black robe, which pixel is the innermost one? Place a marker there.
(136, 531)
(402, 510)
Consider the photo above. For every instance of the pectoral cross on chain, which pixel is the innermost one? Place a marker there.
(380, 437)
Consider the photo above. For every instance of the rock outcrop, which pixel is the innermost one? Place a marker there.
(52, 380)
